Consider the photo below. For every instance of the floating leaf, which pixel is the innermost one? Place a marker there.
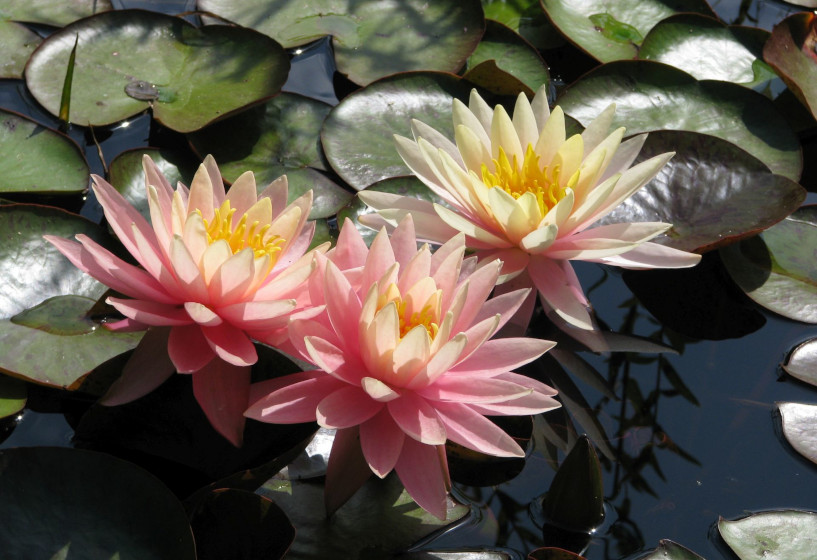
(652, 96)
(790, 50)
(575, 499)
(777, 268)
(55, 343)
(668, 550)
(552, 553)
(13, 394)
(712, 192)
(357, 134)
(802, 362)
(280, 137)
(705, 48)
(800, 427)
(526, 18)
(188, 76)
(36, 159)
(772, 535)
(86, 505)
(370, 39)
(614, 30)
(17, 43)
(513, 57)
(51, 12)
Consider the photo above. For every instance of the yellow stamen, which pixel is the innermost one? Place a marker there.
(517, 180)
(242, 236)
(427, 317)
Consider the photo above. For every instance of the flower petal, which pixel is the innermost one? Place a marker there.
(472, 430)
(296, 401)
(188, 349)
(381, 441)
(346, 407)
(151, 312)
(424, 473)
(500, 355)
(223, 390)
(230, 344)
(148, 367)
(417, 418)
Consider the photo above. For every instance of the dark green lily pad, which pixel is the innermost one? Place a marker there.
(188, 76)
(13, 395)
(614, 30)
(777, 268)
(33, 269)
(526, 18)
(802, 362)
(668, 550)
(55, 343)
(653, 96)
(707, 49)
(380, 519)
(712, 192)
(239, 525)
(36, 159)
(17, 43)
(513, 57)
(790, 50)
(357, 134)
(67, 503)
(799, 423)
(788, 534)
(575, 499)
(52, 12)
(280, 137)
(371, 39)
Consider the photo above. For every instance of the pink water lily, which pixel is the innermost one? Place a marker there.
(525, 194)
(218, 270)
(404, 361)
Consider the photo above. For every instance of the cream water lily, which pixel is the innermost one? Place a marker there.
(218, 270)
(524, 193)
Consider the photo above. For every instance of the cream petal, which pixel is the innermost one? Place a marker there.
(597, 161)
(242, 194)
(625, 156)
(540, 107)
(481, 110)
(195, 236)
(378, 390)
(561, 211)
(445, 358)
(524, 121)
(474, 152)
(214, 256)
(411, 354)
(469, 228)
(552, 136)
(201, 194)
(599, 128)
(202, 314)
(232, 279)
(260, 211)
(652, 255)
(435, 138)
(503, 134)
(464, 117)
(539, 240)
(568, 158)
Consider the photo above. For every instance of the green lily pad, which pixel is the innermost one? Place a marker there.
(281, 137)
(800, 427)
(33, 269)
(130, 60)
(575, 499)
(712, 192)
(357, 134)
(36, 159)
(238, 524)
(380, 519)
(68, 503)
(13, 395)
(668, 550)
(17, 43)
(55, 343)
(707, 49)
(52, 12)
(653, 96)
(515, 59)
(790, 50)
(802, 362)
(772, 535)
(371, 39)
(614, 30)
(526, 18)
(777, 268)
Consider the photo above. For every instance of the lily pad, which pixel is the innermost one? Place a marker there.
(802, 362)
(707, 49)
(36, 159)
(17, 43)
(668, 550)
(790, 50)
(380, 519)
(575, 499)
(712, 192)
(33, 269)
(614, 30)
(52, 12)
(653, 96)
(13, 394)
(130, 60)
(371, 39)
(55, 343)
(772, 535)
(526, 18)
(800, 427)
(515, 59)
(357, 134)
(777, 268)
(281, 137)
(67, 503)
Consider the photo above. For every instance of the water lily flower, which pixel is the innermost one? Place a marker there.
(404, 362)
(217, 271)
(525, 194)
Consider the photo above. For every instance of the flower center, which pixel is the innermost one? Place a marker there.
(410, 314)
(517, 180)
(242, 236)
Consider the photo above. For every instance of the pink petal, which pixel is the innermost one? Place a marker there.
(472, 430)
(346, 407)
(501, 355)
(417, 418)
(277, 192)
(150, 312)
(148, 367)
(534, 403)
(480, 284)
(425, 476)
(201, 192)
(233, 278)
(334, 361)
(464, 389)
(404, 241)
(342, 304)
(187, 271)
(378, 390)
(202, 314)
(188, 349)
(347, 470)
(296, 248)
(381, 440)
(126, 325)
(380, 258)
(242, 194)
(653, 255)
(350, 251)
(296, 402)
(559, 289)
(223, 390)
(230, 344)
(216, 180)
(258, 315)
(515, 324)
